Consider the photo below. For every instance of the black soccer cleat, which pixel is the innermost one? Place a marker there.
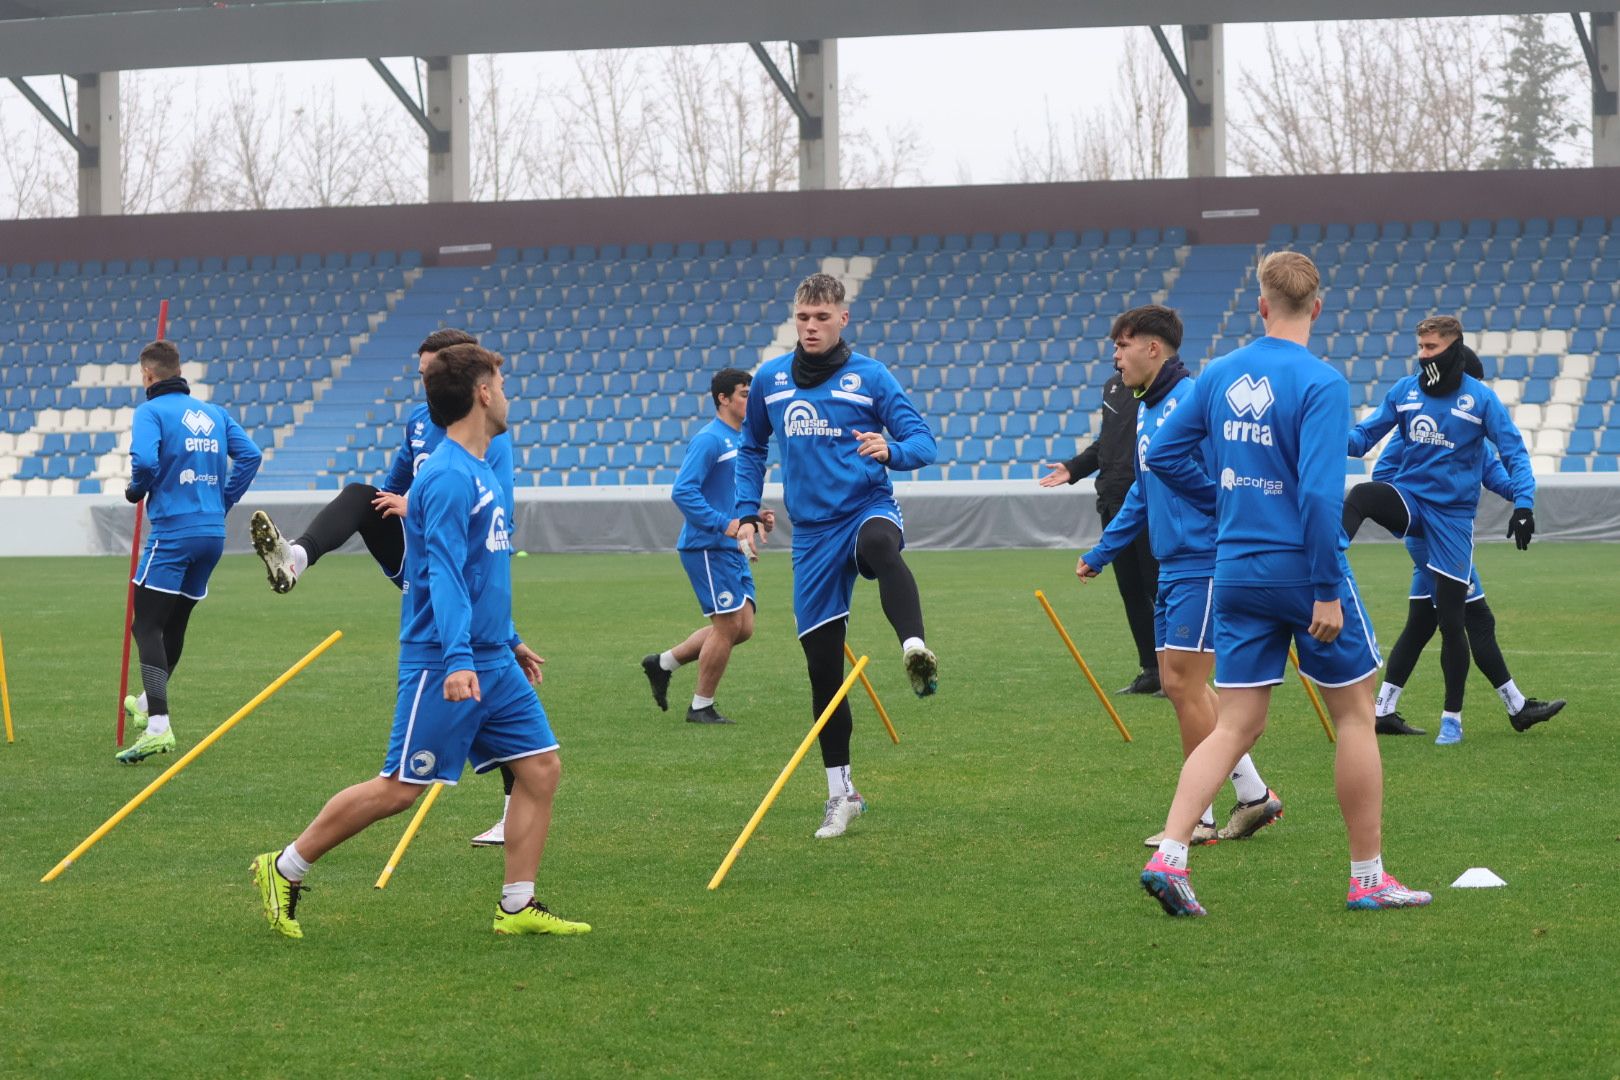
(1147, 682)
(659, 679)
(1395, 724)
(1534, 712)
(707, 715)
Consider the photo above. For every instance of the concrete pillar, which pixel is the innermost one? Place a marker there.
(1606, 98)
(1205, 49)
(450, 154)
(818, 136)
(101, 169)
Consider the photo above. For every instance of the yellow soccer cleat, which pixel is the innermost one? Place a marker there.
(136, 715)
(280, 895)
(535, 918)
(145, 746)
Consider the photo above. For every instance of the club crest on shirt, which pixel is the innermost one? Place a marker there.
(849, 383)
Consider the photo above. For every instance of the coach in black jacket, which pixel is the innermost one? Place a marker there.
(1113, 458)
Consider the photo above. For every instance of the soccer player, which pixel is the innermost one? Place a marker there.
(1445, 416)
(1136, 574)
(462, 689)
(191, 462)
(1145, 342)
(378, 515)
(829, 407)
(1271, 417)
(706, 492)
(1421, 623)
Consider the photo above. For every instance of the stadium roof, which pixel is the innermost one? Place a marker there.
(78, 36)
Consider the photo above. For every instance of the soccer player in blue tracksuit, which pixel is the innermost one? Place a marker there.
(706, 492)
(378, 516)
(191, 462)
(463, 695)
(1183, 537)
(1270, 417)
(829, 407)
(1421, 623)
(1445, 416)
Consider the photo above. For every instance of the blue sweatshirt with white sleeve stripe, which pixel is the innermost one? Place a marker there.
(706, 487)
(190, 459)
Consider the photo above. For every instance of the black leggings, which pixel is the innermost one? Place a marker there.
(877, 552)
(1136, 575)
(1383, 504)
(160, 636)
(349, 513)
(1422, 622)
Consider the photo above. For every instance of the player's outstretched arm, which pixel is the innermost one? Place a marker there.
(910, 441)
(445, 505)
(756, 438)
(1365, 435)
(1121, 532)
(1321, 485)
(145, 446)
(702, 455)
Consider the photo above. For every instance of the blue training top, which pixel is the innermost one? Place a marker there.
(824, 478)
(456, 613)
(191, 461)
(1182, 536)
(1272, 417)
(1494, 475)
(706, 487)
(422, 436)
(1444, 452)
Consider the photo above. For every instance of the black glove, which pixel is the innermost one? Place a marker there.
(131, 495)
(1521, 526)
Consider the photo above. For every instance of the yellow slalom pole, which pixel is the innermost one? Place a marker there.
(787, 771)
(410, 834)
(5, 694)
(883, 714)
(1064, 634)
(190, 756)
(1310, 692)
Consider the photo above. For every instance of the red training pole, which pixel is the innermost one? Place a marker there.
(134, 564)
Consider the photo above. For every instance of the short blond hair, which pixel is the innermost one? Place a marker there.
(1290, 281)
(1445, 327)
(820, 289)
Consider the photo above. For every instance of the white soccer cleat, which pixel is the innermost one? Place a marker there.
(922, 668)
(276, 553)
(841, 810)
(494, 836)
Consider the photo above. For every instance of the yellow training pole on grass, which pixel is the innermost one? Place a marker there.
(1064, 634)
(410, 834)
(5, 694)
(190, 756)
(776, 788)
(1310, 692)
(883, 713)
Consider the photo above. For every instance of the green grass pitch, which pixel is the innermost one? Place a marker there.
(982, 919)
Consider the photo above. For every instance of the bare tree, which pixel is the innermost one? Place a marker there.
(873, 159)
(40, 176)
(619, 153)
(504, 127)
(1355, 100)
(326, 157)
(1078, 148)
(254, 144)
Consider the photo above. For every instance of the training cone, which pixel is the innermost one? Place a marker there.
(1478, 877)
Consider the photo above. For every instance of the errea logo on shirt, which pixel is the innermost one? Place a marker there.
(197, 422)
(1249, 398)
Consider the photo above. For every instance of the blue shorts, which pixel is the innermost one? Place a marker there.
(1450, 537)
(721, 579)
(432, 737)
(824, 564)
(1423, 577)
(1184, 615)
(179, 564)
(1253, 626)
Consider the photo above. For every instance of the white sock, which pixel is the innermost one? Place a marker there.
(1508, 692)
(667, 661)
(290, 864)
(1246, 781)
(1209, 816)
(838, 782)
(141, 704)
(1389, 695)
(157, 723)
(1457, 716)
(912, 643)
(701, 702)
(1174, 853)
(300, 559)
(1369, 873)
(515, 896)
